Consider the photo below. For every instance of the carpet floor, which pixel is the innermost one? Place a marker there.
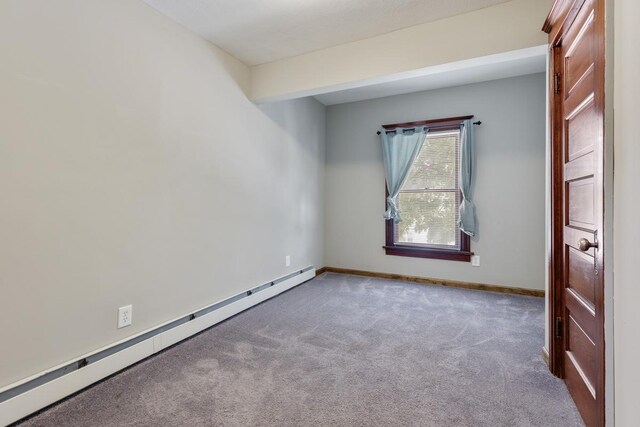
(343, 350)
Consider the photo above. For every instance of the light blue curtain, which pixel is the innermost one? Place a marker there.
(467, 221)
(399, 150)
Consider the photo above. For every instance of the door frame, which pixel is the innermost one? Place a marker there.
(556, 264)
(561, 16)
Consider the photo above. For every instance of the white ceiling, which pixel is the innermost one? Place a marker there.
(493, 67)
(259, 31)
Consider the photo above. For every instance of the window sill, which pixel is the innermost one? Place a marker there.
(416, 252)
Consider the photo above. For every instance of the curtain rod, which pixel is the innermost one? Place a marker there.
(478, 123)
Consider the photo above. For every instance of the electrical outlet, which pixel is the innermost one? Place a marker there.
(287, 261)
(475, 260)
(125, 316)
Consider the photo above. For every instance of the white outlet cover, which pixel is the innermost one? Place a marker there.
(125, 316)
(287, 261)
(475, 260)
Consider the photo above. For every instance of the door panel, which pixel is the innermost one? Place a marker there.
(580, 392)
(573, 235)
(579, 56)
(580, 196)
(583, 350)
(579, 167)
(578, 307)
(581, 278)
(581, 129)
(579, 105)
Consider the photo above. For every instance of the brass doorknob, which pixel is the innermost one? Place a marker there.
(584, 245)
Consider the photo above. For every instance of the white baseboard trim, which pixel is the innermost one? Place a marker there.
(545, 355)
(33, 400)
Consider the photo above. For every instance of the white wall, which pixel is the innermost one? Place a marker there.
(133, 170)
(608, 233)
(626, 208)
(505, 27)
(509, 190)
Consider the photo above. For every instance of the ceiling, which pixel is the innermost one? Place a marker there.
(492, 67)
(260, 31)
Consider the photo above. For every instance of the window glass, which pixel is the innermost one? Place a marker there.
(429, 199)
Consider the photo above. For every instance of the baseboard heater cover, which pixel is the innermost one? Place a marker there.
(21, 399)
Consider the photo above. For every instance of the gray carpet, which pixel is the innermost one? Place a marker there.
(344, 351)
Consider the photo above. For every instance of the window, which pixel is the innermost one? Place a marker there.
(428, 202)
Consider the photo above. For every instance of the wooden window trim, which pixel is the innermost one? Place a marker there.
(464, 253)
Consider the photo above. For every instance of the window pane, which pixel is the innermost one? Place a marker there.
(428, 218)
(435, 166)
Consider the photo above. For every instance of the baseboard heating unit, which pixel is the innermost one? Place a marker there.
(25, 397)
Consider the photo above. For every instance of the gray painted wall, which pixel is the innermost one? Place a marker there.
(509, 190)
(134, 170)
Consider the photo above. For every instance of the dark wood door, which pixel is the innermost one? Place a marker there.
(578, 61)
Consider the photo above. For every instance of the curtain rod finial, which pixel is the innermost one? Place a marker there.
(478, 123)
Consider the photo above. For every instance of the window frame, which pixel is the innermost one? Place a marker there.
(391, 248)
